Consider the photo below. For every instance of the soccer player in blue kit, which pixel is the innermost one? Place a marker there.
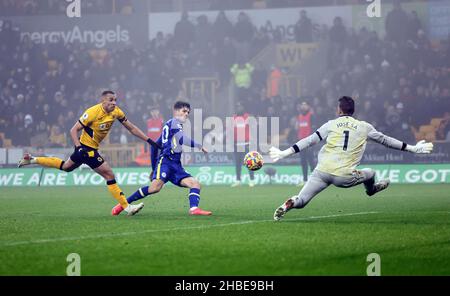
(167, 167)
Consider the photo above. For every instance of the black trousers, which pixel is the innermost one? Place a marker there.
(306, 158)
(239, 162)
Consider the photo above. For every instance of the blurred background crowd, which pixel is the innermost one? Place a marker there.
(400, 81)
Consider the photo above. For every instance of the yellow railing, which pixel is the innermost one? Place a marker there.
(289, 86)
(121, 155)
(201, 88)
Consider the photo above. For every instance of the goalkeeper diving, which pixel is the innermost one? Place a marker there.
(346, 139)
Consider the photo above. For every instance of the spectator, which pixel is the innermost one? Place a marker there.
(304, 122)
(203, 32)
(222, 28)
(338, 39)
(397, 23)
(155, 124)
(443, 131)
(57, 137)
(184, 32)
(243, 34)
(225, 57)
(414, 25)
(303, 30)
(273, 82)
(243, 79)
(241, 143)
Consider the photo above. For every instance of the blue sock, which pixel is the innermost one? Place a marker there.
(141, 193)
(194, 197)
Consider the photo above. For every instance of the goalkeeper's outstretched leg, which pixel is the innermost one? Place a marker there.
(316, 183)
(365, 176)
(346, 139)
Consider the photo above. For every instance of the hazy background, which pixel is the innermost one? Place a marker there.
(155, 52)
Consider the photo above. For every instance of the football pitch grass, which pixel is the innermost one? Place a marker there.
(407, 225)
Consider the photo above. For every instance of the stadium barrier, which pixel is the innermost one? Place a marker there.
(119, 155)
(203, 89)
(132, 154)
(214, 175)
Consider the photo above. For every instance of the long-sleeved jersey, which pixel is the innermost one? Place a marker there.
(171, 141)
(346, 139)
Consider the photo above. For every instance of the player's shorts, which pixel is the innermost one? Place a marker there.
(357, 177)
(170, 170)
(321, 180)
(93, 158)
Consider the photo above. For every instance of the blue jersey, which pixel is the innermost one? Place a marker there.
(171, 141)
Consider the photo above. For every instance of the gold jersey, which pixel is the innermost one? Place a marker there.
(97, 123)
(346, 139)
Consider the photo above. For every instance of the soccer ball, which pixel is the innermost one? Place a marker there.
(253, 160)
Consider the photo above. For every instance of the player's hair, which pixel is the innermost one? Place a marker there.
(180, 105)
(347, 105)
(108, 92)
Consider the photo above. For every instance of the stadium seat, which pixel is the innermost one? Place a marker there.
(259, 4)
(417, 135)
(430, 137)
(52, 65)
(7, 143)
(426, 128)
(127, 10)
(435, 122)
(98, 55)
(428, 132)
(143, 159)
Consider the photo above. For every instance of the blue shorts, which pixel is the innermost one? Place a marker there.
(170, 170)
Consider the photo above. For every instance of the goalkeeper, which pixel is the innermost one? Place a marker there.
(346, 140)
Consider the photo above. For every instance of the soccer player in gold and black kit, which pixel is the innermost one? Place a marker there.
(95, 124)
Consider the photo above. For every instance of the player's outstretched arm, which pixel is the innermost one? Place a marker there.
(134, 130)
(74, 133)
(185, 140)
(277, 154)
(154, 153)
(420, 147)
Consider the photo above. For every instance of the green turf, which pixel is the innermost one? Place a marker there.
(410, 231)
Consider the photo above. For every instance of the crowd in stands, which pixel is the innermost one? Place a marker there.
(58, 7)
(398, 81)
(55, 7)
(54, 83)
(403, 77)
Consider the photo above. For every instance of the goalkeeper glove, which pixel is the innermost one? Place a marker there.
(420, 147)
(276, 154)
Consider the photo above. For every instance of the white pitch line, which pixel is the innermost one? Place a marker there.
(108, 235)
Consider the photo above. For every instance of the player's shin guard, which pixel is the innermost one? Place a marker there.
(115, 191)
(194, 197)
(51, 162)
(141, 193)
